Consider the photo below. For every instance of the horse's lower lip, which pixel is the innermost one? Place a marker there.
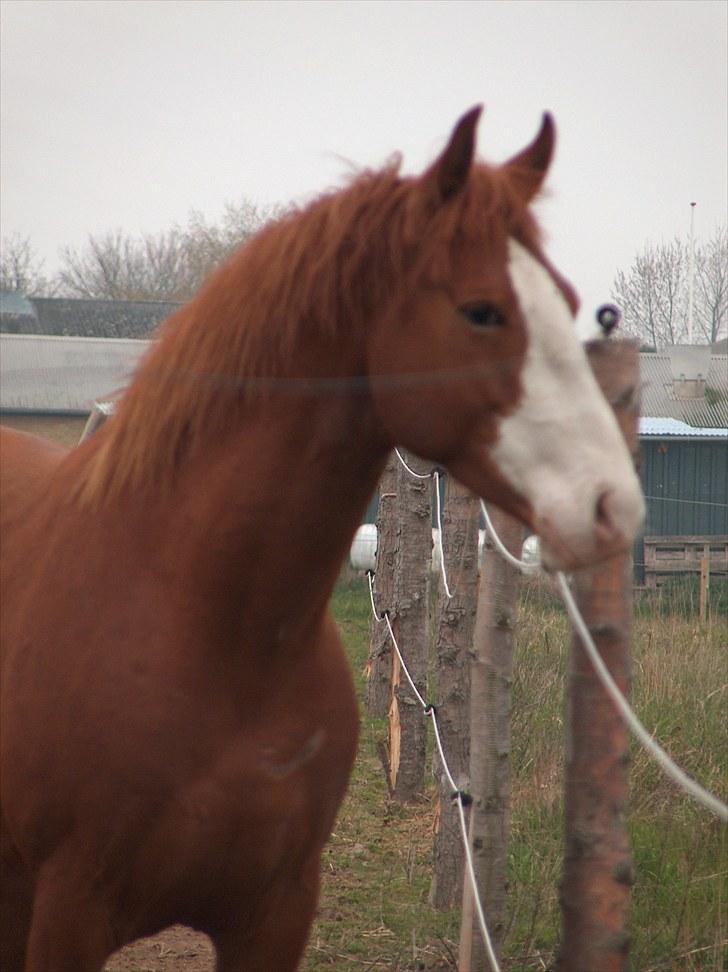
(558, 554)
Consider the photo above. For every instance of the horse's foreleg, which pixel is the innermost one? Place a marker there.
(16, 903)
(279, 937)
(70, 930)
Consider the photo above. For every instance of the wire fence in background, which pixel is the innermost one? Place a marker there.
(668, 766)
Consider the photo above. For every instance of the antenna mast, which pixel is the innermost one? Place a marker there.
(691, 273)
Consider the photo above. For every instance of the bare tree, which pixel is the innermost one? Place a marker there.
(118, 267)
(206, 245)
(21, 269)
(653, 292)
(170, 265)
(711, 286)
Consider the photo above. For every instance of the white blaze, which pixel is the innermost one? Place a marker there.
(561, 447)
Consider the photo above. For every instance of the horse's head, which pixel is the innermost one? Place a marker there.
(479, 367)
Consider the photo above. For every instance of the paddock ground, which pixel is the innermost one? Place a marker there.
(177, 949)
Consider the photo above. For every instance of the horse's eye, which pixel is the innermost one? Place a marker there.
(483, 315)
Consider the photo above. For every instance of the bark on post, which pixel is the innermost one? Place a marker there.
(456, 621)
(407, 725)
(379, 663)
(595, 889)
(490, 741)
(704, 581)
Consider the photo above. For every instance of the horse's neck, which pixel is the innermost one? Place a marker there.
(270, 519)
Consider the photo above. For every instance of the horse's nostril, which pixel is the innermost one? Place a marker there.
(603, 515)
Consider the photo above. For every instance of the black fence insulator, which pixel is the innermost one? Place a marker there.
(608, 317)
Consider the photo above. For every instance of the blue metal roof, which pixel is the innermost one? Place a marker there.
(660, 427)
(15, 304)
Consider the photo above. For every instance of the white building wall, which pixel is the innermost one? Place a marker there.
(40, 373)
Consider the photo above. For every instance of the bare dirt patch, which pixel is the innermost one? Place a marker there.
(176, 949)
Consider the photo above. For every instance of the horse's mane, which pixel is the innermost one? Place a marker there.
(313, 274)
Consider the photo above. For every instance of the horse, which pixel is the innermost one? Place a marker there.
(178, 716)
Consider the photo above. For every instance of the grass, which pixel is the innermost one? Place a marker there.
(374, 911)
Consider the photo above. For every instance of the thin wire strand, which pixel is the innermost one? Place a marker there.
(403, 664)
(707, 799)
(409, 469)
(474, 885)
(676, 499)
(432, 713)
(370, 576)
(430, 710)
(668, 766)
(500, 547)
(439, 534)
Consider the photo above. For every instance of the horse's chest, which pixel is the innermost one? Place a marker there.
(259, 808)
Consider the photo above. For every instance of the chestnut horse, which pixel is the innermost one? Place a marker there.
(178, 719)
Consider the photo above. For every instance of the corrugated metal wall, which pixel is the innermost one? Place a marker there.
(686, 485)
(686, 489)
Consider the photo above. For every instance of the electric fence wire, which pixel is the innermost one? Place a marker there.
(457, 795)
(664, 761)
(668, 766)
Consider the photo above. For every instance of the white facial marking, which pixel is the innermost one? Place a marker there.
(561, 447)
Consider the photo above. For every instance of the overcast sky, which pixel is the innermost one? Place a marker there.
(130, 114)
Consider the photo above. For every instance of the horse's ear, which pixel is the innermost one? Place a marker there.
(450, 172)
(528, 169)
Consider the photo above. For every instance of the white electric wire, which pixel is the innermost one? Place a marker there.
(409, 469)
(499, 545)
(403, 665)
(439, 535)
(431, 711)
(668, 766)
(377, 617)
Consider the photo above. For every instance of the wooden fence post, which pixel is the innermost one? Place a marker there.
(490, 741)
(379, 663)
(704, 581)
(413, 564)
(595, 888)
(453, 641)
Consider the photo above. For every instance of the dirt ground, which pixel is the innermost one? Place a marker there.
(177, 949)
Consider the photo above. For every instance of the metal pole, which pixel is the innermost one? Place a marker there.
(691, 273)
(704, 581)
